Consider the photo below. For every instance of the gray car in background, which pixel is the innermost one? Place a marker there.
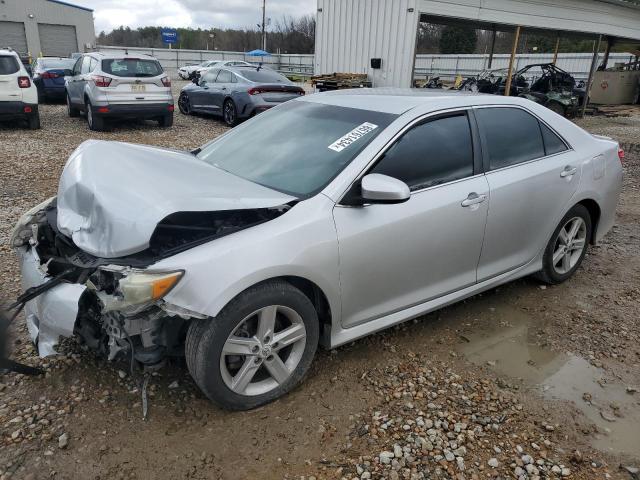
(118, 85)
(237, 93)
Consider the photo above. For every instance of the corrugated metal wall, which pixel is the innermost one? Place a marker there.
(350, 33)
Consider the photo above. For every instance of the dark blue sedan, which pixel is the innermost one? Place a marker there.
(48, 76)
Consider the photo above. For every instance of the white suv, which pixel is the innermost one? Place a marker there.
(115, 85)
(18, 94)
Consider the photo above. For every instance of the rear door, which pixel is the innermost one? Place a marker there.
(532, 175)
(9, 73)
(134, 80)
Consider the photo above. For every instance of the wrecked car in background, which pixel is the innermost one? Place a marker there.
(552, 87)
(323, 220)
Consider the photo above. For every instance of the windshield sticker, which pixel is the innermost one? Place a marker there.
(353, 136)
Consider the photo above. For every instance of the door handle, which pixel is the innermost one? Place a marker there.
(568, 171)
(473, 199)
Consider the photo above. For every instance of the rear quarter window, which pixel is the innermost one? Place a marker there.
(8, 65)
(131, 67)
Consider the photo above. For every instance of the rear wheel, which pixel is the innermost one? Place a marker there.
(166, 121)
(71, 110)
(229, 113)
(95, 123)
(568, 245)
(33, 121)
(184, 104)
(258, 347)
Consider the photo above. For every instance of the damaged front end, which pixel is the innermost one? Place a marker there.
(114, 305)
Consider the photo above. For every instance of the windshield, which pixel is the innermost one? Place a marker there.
(298, 147)
(131, 67)
(264, 76)
(57, 63)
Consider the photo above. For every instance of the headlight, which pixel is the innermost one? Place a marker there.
(22, 232)
(144, 287)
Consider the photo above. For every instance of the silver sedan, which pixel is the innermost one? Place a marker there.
(323, 220)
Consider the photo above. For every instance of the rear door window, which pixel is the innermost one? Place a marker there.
(435, 152)
(131, 67)
(510, 136)
(8, 65)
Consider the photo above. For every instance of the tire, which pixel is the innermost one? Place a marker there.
(95, 123)
(72, 111)
(554, 272)
(184, 104)
(230, 113)
(166, 121)
(33, 121)
(216, 371)
(557, 108)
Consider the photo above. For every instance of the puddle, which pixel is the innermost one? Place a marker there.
(511, 347)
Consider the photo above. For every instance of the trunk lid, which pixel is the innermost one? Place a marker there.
(112, 195)
(277, 93)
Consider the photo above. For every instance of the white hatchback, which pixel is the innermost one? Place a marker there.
(18, 94)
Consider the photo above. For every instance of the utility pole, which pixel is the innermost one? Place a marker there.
(264, 19)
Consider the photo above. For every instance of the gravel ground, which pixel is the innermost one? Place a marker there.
(520, 382)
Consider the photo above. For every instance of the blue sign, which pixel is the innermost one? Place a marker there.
(169, 35)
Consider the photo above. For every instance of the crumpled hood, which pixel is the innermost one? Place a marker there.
(112, 195)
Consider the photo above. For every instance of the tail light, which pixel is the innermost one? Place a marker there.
(24, 82)
(49, 75)
(620, 154)
(101, 81)
(166, 81)
(171, 108)
(255, 91)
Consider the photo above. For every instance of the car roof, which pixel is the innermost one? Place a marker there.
(122, 54)
(5, 51)
(400, 100)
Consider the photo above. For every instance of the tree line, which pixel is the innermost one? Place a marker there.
(288, 35)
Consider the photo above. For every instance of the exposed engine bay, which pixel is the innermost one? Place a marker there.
(121, 313)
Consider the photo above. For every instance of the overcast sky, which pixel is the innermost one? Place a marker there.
(110, 14)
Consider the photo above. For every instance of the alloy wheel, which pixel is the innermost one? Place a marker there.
(263, 351)
(229, 113)
(569, 245)
(183, 104)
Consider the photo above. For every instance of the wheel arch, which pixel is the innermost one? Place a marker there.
(594, 212)
(312, 291)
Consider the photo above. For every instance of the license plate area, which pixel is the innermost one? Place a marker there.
(138, 88)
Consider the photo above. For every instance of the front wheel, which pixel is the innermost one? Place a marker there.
(258, 347)
(229, 113)
(568, 245)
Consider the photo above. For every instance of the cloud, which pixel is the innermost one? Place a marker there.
(111, 14)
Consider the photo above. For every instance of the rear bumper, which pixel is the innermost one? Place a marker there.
(53, 314)
(152, 110)
(17, 109)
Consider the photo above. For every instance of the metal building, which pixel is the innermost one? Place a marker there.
(47, 27)
(349, 33)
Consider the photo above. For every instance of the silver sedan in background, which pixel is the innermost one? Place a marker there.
(328, 218)
(237, 93)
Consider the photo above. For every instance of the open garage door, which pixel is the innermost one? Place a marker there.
(12, 35)
(57, 40)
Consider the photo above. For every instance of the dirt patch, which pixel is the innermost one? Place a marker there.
(487, 383)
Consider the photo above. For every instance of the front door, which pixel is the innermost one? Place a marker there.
(532, 176)
(396, 256)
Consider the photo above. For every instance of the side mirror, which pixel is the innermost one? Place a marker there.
(195, 79)
(378, 188)
(68, 73)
